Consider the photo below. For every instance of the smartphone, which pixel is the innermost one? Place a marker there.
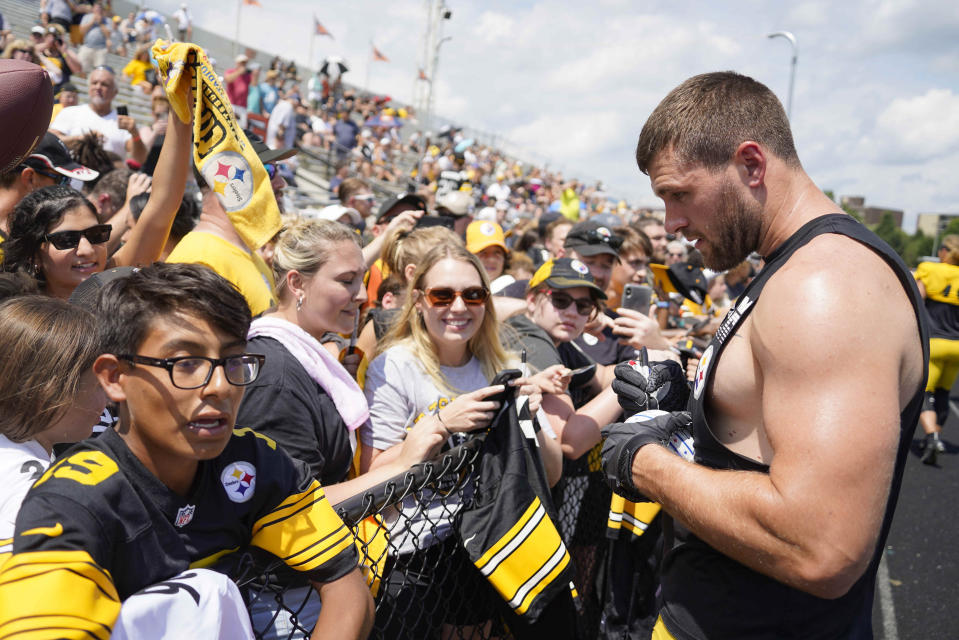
(637, 297)
(434, 221)
(504, 377)
(581, 376)
(122, 110)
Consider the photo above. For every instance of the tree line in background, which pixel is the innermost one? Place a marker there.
(912, 248)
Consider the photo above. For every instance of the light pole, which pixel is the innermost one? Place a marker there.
(429, 96)
(792, 73)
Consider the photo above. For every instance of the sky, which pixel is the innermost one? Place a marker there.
(875, 108)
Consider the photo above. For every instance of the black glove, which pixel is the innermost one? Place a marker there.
(623, 439)
(664, 388)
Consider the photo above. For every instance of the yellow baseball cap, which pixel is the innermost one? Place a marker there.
(481, 234)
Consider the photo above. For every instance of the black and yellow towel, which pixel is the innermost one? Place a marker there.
(221, 151)
(629, 519)
(508, 531)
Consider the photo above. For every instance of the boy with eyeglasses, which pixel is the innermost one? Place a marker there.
(174, 487)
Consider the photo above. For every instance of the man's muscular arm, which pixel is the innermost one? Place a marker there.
(837, 355)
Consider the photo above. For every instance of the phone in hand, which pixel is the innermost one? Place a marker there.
(434, 221)
(581, 376)
(504, 377)
(637, 297)
(122, 110)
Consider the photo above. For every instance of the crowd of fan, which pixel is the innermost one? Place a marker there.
(478, 260)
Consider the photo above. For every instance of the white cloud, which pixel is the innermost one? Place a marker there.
(922, 127)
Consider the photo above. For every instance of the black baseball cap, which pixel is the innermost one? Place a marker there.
(418, 202)
(689, 281)
(590, 238)
(52, 154)
(565, 273)
(264, 152)
(86, 293)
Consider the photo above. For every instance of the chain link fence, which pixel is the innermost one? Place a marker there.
(423, 583)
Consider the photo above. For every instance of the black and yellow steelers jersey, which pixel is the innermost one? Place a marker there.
(941, 281)
(98, 527)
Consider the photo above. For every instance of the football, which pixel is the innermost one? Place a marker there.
(26, 102)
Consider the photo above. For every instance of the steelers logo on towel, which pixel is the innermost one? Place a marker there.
(579, 266)
(239, 481)
(231, 178)
(487, 229)
(699, 383)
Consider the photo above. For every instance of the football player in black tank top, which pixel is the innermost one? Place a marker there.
(801, 423)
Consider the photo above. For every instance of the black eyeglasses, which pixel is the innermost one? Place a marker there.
(594, 236)
(560, 300)
(97, 234)
(193, 372)
(444, 296)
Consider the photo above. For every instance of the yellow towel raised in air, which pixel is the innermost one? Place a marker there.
(221, 151)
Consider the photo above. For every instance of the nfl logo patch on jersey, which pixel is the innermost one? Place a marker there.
(184, 515)
(239, 481)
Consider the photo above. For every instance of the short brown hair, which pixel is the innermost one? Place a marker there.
(634, 241)
(708, 116)
(47, 345)
(349, 188)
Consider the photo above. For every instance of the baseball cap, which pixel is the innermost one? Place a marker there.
(85, 295)
(52, 154)
(481, 234)
(682, 278)
(265, 153)
(39, 30)
(565, 273)
(336, 211)
(241, 58)
(418, 202)
(591, 238)
(456, 203)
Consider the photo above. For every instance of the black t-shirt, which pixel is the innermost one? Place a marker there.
(608, 351)
(542, 353)
(288, 406)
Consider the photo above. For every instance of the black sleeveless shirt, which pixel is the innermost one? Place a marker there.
(707, 594)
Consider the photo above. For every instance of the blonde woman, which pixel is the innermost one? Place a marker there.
(432, 376)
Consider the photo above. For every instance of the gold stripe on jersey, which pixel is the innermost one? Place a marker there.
(633, 517)
(211, 559)
(245, 430)
(303, 530)
(526, 560)
(62, 594)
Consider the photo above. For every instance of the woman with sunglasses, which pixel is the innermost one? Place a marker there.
(55, 235)
(560, 300)
(432, 376)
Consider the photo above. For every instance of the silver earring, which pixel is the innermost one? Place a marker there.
(299, 303)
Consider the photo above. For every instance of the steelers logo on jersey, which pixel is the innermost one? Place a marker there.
(239, 481)
(699, 382)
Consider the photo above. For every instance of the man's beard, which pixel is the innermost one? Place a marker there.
(735, 230)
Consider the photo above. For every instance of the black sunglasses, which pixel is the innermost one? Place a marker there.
(584, 306)
(97, 234)
(270, 169)
(193, 372)
(59, 177)
(444, 296)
